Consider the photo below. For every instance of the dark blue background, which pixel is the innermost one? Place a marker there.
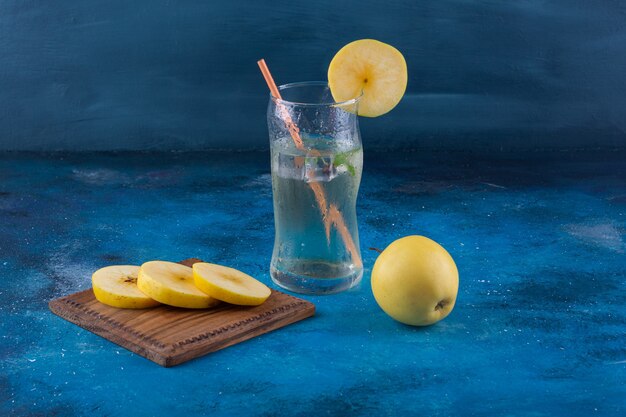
(158, 74)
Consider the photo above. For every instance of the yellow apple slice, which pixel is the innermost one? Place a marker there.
(172, 284)
(372, 68)
(229, 285)
(116, 286)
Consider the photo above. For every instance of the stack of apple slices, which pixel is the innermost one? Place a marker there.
(204, 285)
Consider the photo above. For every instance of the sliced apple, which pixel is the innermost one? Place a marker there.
(374, 69)
(172, 284)
(229, 284)
(116, 286)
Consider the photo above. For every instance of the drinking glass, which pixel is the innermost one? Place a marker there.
(317, 160)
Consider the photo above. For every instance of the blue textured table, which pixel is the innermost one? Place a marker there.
(538, 330)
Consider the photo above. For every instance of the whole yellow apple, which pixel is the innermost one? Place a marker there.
(415, 281)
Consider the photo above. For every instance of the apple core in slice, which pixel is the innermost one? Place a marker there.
(116, 286)
(229, 284)
(370, 68)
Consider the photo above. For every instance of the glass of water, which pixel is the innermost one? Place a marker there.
(317, 161)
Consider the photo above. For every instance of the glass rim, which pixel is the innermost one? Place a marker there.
(305, 104)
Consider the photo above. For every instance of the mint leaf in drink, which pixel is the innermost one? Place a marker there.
(343, 159)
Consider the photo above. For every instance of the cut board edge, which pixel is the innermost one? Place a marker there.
(168, 355)
(175, 358)
(62, 305)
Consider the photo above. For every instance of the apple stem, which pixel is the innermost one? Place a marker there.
(377, 250)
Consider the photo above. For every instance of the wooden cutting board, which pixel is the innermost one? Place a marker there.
(170, 335)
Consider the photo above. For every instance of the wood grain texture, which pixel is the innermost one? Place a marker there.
(170, 335)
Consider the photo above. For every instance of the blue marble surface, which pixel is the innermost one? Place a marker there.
(538, 330)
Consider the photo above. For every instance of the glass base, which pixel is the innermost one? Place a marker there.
(316, 277)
